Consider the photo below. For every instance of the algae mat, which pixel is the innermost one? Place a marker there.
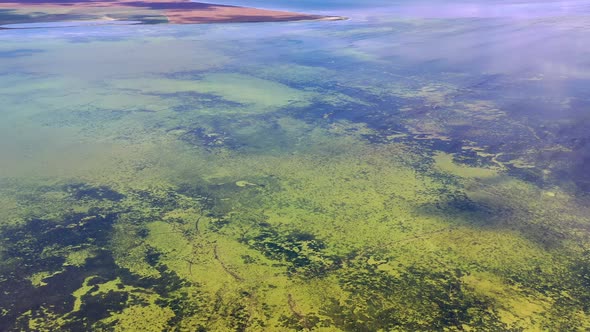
(274, 178)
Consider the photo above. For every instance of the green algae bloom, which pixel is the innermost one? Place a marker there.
(297, 177)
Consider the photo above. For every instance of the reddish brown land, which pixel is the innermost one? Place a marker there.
(169, 11)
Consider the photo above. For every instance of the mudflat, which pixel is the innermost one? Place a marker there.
(149, 12)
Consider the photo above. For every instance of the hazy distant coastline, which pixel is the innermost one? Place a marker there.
(146, 12)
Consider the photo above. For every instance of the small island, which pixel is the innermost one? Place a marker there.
(139, 12)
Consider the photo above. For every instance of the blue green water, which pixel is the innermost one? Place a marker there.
(419, 167)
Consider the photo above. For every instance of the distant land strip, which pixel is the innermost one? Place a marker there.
(146, 12)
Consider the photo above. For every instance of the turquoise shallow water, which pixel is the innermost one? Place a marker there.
(420, 166)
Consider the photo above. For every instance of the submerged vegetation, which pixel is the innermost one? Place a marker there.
(294, 190)
(354, 240)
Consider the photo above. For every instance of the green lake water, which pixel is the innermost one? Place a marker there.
(421, 166)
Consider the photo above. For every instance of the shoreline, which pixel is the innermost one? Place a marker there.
(146, 12)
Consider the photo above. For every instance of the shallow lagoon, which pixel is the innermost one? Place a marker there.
(408, 169)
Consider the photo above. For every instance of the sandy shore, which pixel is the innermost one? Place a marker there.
(170, 11)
